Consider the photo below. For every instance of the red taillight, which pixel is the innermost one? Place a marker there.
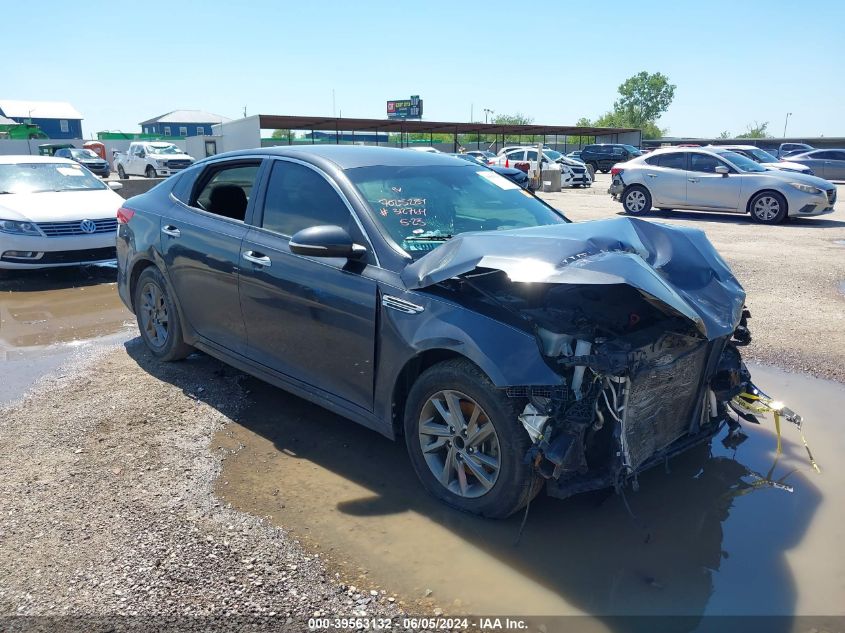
(615, 171)
(124, 215)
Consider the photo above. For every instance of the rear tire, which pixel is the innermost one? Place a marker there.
(508, 483)
(768, 207)
(121, 173)
(158, 319)
(636, 200)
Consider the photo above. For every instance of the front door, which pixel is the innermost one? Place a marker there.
(310, 318)
(707, 189)
(201, 244)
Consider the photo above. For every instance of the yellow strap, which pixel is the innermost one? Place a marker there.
(760, 404)
(810, 454)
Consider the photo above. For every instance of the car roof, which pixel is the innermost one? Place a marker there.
(349, 156)
(20, 159)
(735, 147)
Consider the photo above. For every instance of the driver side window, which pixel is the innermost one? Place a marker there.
(298, 197)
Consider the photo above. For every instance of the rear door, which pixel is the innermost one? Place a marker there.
(310, 318)
(707, 189)
(834, 166)
(201, 245)
(665, 175)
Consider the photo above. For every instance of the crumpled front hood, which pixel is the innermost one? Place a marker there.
(676, 266)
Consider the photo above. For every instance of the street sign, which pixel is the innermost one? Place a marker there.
(405, 108)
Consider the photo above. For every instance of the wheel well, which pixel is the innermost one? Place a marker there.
(139, 267)
(757, 193)
(408, 376)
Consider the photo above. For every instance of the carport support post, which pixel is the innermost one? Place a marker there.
(455, 143)
(288, 136)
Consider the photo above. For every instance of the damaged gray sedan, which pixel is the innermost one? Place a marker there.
(426, 297)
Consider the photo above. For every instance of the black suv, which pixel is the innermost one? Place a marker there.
(603, 156)
(428, 297)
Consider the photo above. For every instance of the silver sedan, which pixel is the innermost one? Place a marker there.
(714, 179)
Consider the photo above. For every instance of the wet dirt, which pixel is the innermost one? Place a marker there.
(46, 315)
(712, 536)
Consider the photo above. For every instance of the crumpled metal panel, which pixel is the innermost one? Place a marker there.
(660, 403)
(676, 266)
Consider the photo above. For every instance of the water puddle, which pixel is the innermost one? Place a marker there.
(839, 242)
(718, 537)
(46, 314)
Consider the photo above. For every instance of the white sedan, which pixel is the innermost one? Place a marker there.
(54, 212)
(716, 179)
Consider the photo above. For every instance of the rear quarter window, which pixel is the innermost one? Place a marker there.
(184, 184)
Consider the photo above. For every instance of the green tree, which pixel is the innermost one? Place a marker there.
(725, 134)
(516, 119)
(644, 97)
(756, 130)
(615, 118)
(281, 134)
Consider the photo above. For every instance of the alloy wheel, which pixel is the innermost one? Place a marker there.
(459, 444)
(153, 313)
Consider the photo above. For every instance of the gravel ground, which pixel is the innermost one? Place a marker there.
(793, 274)
(106, 481)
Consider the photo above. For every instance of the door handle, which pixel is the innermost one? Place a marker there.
(171, 230)
(652, 175)
(693, 179)
(257, 258)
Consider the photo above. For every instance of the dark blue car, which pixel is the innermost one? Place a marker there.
(430, 298)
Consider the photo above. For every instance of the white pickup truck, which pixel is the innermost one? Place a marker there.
(152, 159)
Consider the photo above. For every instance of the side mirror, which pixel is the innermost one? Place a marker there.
(142, 155)
(114, 185)
(721, 169)
(325, 241)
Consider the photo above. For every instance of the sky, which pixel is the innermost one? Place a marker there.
(733, 62)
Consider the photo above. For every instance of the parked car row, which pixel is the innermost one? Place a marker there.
(718, 179)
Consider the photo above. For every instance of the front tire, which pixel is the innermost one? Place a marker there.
(466, 443)
(768, 207)
(636, 200)
(150, 172)
(158, 319)
(121, 173)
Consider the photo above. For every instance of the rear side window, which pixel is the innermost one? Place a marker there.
(673, 160)
(298, 198)
(225, 190)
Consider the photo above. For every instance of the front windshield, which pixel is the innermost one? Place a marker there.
(164, 149)
(743, 163)
(83, 154)
(421, 206)
(762, 156)
(38, 177)
(551, 154)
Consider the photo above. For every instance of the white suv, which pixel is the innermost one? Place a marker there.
(572, 172)
(716, 179)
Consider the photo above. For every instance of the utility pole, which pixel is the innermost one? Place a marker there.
(486, 112)
(788, 114)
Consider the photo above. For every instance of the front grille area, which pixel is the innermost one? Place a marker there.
(178, 164)
(660, 404)
(62, 229)
(578, 170)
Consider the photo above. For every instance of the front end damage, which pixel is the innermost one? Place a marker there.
(643, 324)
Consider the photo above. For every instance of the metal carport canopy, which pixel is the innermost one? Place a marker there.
(333, 124)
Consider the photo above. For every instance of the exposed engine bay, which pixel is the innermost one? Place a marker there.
(643, 323)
